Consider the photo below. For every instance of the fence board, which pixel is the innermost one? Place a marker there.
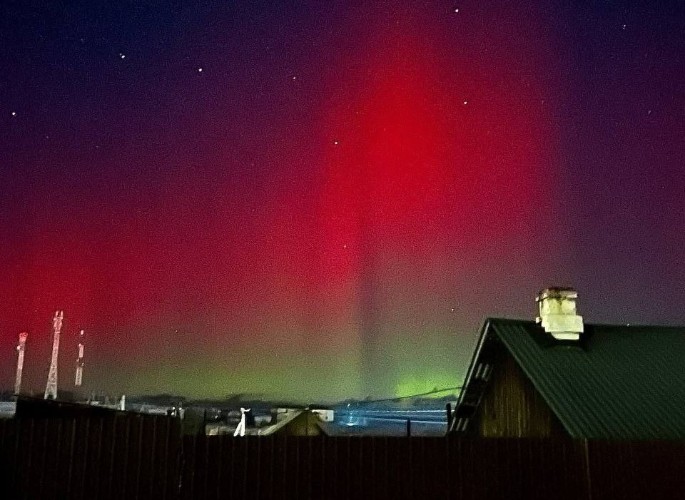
(146, 457)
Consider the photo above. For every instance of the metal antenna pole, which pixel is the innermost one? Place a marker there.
(78, 380)
(51, 387)
(20, 361)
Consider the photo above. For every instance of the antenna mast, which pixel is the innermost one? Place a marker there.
(51, 387)
(20, 361)
(78, 380)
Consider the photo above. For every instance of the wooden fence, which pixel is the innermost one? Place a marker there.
(141, 457)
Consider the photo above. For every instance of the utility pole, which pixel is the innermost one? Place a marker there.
(20, 361)
(78, 380)
(51, 387)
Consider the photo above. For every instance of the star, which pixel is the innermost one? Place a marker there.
(199, 70)
(456, 11)
(465, 103)
(122, 56)
(14, 113)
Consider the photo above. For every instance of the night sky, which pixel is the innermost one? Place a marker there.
(321, 200)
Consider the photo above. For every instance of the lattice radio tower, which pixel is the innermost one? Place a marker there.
(20, 361)
(51, 387)
(78, 380)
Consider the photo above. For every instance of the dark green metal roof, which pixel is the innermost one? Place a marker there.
(618, 382)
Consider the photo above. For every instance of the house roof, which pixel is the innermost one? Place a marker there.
(618, 382)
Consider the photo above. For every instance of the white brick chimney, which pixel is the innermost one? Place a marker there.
(557, 313)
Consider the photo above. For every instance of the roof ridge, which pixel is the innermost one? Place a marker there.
(510, 321)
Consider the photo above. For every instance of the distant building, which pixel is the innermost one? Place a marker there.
(612, 382)
(283, 421)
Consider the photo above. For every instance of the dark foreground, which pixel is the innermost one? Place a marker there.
(148, 457)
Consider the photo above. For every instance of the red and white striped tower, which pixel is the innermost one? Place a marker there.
(51, 387)
(20, 361)
(78, 380)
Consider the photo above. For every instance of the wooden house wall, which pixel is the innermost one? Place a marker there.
(512, 407)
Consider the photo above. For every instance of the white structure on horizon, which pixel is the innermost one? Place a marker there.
(51, 387)
(240, 429)
(20, 361)
(78, 379)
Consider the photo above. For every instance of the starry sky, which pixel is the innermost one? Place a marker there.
(323, 200)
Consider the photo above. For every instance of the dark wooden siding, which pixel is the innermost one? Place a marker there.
(512, 407)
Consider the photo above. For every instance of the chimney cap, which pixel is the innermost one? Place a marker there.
(557, 292)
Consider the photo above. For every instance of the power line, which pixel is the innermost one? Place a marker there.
(397, 398)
